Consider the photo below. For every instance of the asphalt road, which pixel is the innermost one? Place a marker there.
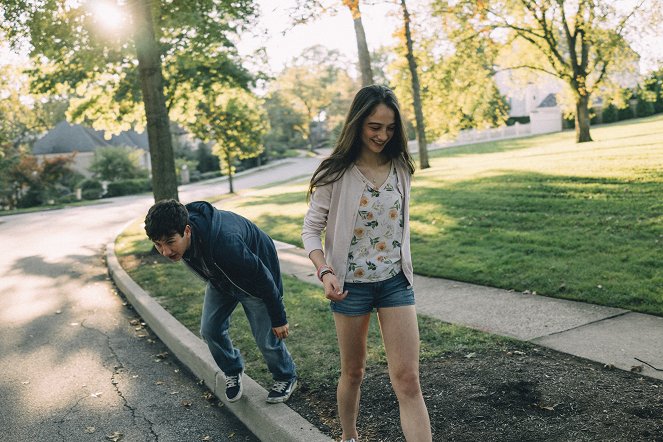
(75, 362)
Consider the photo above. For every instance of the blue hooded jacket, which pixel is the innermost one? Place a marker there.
(229, 250)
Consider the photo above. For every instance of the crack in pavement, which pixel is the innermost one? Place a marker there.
(118, 368)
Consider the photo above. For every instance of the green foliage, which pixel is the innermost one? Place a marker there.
(287, 126)
(91, 189)
(610, 113)
(579, 44)
(457, 86)
(318, 92)
(75, 54)
(112, 163)
(23, 117)
(235, 121)
(207, 162)
(128, 187)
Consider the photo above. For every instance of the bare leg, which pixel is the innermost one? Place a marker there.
(352, 332)
(400, 334)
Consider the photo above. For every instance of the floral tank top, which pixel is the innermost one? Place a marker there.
(375, 249)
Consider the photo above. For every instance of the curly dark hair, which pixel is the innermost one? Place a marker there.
(166, 218)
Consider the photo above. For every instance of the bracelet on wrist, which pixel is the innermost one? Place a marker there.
(323, 270)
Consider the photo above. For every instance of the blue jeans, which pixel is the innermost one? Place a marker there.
(214, 324)
(364, 297)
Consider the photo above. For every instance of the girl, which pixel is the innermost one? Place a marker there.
(359, 196)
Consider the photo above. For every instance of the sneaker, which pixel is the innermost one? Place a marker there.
(281, 391)
(234, 387)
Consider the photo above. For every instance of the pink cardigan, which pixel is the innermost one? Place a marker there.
(333, 208)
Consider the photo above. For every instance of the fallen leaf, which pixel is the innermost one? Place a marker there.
(159, 383)
(90, 430)
(636, 369)
(186, 403)
(115, 436)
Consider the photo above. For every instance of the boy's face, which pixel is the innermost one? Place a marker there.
(174, 246)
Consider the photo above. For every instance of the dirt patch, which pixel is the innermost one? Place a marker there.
(539, 395)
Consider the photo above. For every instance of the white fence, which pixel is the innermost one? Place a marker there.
(471, 136)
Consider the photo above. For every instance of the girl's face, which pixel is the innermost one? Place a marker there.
(378, 128)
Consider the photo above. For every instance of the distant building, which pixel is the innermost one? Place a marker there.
(65, 139)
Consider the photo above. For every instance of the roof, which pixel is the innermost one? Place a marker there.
(68, 138)
(549, 101)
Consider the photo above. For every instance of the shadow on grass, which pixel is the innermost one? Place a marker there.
(285, 228)
(282, 199)
(590, 239)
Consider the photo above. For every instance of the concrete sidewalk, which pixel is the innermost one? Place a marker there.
(603, 334)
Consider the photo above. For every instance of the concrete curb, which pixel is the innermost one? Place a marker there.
(269, 422)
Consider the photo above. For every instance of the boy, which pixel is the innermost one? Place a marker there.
(240, 264)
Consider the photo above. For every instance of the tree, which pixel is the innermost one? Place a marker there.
(117, 163)
(318, 87)
(416, 89)
(178, 46)
(164, 180)
(23, 117)
(362, 45)
(288, 127)
(581, 42)
(234, 121)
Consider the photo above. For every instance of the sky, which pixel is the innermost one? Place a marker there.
(283, 42)
(380, 18)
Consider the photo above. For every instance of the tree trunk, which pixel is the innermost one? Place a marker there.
(164, 178)
(362, 46)
(229, 166)
(582, 119)
(416, 95)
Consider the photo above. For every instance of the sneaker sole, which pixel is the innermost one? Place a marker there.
(236, 398)
(239, 393)
(280, 400)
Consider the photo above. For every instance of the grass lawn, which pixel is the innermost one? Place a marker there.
(544, 214)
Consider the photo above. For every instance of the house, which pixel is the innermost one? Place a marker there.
(536, 101)
(65, 139)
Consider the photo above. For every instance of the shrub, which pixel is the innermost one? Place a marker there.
(644, 108)
(91, 189)
(610, 114)
(128, 187)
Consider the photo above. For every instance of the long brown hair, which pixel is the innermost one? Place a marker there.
(348, 145)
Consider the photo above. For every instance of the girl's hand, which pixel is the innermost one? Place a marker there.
(333, 288)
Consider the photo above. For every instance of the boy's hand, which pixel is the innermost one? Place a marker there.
(280, 332)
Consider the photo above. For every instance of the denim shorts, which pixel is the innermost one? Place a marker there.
(363, 297)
